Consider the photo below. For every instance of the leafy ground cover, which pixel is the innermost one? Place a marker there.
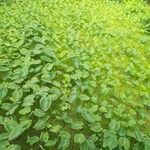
(74, 74)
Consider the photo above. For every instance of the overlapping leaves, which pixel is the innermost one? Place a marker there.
(74, 75)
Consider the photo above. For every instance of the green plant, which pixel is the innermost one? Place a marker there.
(74, 75)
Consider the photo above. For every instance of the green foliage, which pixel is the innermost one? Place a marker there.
(74, 75)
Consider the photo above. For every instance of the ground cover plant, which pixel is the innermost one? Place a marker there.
(74, 74)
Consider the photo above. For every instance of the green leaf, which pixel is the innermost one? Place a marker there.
(66, 118)
(55, 129)
(93, 138)
(45, 58)
(84, 146)
(147, 144)
(86, 115)
(32, 140)
(103, 109)
(28, 101)
(12, 109)
(39, 113)
(67, 77)
(6, 106)
(13, 86)
(73, 95)
(44, 136)
(10, 124)
(77, 125)
(57, 84)
(48, 66)
(111, 142)
(3, 92)
(93, 109)
(84, 97)
(79, 138)
(3, 136)
(18, 130)
(45, 102)
(17, 94)
(65, 140)
(125, 143)
(41, 124)
(25, 110)
(51, 143)
(14, 147)
(96, 127)
(114, 125)
(1, 119)
(26, 123)
(3, 145)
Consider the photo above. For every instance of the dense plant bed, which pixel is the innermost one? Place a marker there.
(74, 74)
